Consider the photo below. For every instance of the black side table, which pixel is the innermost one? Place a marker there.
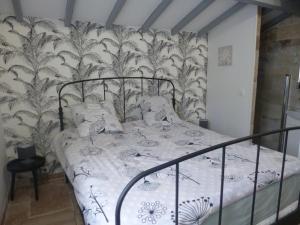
(25, 165)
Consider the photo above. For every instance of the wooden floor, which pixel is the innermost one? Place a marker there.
(56, 206)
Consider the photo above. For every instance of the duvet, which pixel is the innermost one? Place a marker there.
(99, 168)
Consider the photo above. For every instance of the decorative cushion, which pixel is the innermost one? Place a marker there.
(156, 109)
(76, 113)
(94, 119)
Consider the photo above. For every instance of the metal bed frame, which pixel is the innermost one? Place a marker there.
(104, 83)
(176, 162)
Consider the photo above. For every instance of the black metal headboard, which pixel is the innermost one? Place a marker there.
(60, 109)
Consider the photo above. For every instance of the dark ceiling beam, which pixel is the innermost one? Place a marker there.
(114, 13)
(191, 15)
(69, 12)
(155, 14)
(271, 4)
(275, 21)
(266, 11)
(221, 18)
(18, 10)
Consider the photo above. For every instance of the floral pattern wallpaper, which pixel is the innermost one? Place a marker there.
(38, 55)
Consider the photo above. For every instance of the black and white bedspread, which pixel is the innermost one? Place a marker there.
(100, 168)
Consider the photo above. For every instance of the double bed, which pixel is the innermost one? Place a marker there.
(100, 167)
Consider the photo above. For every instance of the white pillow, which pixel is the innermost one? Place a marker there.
(96, 119)
(76, 113)
(156, 109)
(68, 117)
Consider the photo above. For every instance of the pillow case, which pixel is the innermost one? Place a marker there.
(156, 109)
(94, 119)
(76, 113)
(68, 116)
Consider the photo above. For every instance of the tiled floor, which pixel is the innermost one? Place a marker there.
(56, 206)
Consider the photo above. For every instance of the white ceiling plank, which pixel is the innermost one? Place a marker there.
(191, 15)
(155, 14)
(221, 18)
(135, 11)
(96, 11)
(178, 9)
(213, 11)
(54, 9)
(6, 7)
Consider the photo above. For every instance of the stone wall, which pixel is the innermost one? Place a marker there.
(279, 55)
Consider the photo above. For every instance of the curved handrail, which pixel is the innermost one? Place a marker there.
(187, 157)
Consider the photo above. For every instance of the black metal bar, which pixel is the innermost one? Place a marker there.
(117, 78)
(173, 98)
(142, 87)
(255, 181)
(299, 202)
(177, 194)
(282, 173)
(35, 184)
(82, 91)
(12, 186)
(173, 102)
(184, 158)
(104, 79)
(285, 104)
(222, 185)
(104, 90)
(124, 100)
(61, 117)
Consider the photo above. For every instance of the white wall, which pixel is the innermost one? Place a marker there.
(230, 88)
(3, 175)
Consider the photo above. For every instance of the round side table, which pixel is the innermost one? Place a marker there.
(25, 165)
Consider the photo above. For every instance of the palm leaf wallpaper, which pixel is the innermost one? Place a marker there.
(38, 55)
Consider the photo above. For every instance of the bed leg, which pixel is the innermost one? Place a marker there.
(299, 203)
(66, 179)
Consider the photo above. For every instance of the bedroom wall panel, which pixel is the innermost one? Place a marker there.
(40, 54)
(231, 88)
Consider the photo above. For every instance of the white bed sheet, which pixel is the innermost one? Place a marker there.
(99, 170)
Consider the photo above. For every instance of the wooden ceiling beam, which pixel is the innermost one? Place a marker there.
(155, 14)
(18, 10)
(114, 13)
(69, 12)
(191, 15)
(275, 21)
(271, 4)
(221, 18)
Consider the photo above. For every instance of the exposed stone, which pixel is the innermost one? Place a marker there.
(279, 55)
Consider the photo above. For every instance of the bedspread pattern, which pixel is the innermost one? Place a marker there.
(100, 168)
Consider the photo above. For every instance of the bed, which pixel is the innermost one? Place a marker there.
(189, 191)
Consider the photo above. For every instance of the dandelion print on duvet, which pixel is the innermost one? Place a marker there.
(100, 168)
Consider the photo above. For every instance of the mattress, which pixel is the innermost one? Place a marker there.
(99, 169)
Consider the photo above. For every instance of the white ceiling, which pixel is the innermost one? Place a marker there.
(134, 13)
